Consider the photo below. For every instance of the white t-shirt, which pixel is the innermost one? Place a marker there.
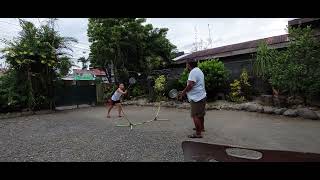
(198, 91)
(116, 95)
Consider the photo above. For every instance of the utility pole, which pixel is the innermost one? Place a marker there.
(196, 39)
(209, 39)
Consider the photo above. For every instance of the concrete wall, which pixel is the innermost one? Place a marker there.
(235, 64)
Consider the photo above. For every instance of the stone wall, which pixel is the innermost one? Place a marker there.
(311, 113)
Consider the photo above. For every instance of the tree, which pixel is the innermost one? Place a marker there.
(296, 70)
(35, 56)
(263, 62)
(64, 65)
(84, 62)
(128, 45)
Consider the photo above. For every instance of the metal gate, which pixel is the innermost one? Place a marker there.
(68, 95)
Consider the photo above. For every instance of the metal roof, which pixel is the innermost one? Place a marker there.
(235, 49)
(179, 57)
(302, 21)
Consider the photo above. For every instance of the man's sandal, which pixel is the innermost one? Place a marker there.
(194, 136)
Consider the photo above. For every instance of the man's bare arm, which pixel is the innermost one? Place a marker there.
(188, 88)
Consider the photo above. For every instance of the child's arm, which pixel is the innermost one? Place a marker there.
(122, 92)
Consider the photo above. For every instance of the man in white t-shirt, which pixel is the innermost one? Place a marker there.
(196, 93)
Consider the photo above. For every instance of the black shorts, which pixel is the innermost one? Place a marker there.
(114, 102)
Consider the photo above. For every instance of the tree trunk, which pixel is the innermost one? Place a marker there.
(30, 90)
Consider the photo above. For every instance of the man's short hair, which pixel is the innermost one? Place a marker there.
(192, 63)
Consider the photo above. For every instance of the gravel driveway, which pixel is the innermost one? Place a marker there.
(87, 135)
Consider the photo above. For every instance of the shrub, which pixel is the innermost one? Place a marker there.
(137, 91)
(235, 94)
(109, 92)
(246, 88)
(172, 84)
(240, 89)
(216, 76)
(159, 87)
(13, 95)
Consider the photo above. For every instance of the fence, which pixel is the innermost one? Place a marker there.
(67, 95)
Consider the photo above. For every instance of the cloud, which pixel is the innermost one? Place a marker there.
(224, 31)
(182, 31)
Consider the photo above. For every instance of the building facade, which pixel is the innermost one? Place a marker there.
(242, 55)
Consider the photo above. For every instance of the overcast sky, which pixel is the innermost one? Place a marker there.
(183, 32)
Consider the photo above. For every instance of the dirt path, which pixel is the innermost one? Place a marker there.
(87, 135)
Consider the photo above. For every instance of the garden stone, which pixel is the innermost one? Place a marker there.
(291, 113)
(244, 106)
(268, 110)
(307, 113)
(280, 111)
(237, 107)
(253, 108)
(318, 113)
(260, 109)
(180, 106)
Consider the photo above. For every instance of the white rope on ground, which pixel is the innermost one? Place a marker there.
(132, 124)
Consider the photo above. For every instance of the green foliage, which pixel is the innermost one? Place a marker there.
(160, 83)
(137, 91)
(128, 44)
(264, 59)
(297, 69)
(64, 66)
(84, 62)
(184, 78)
(12, 92)
(216, 76)
(109, 92)
(235, 94)
(246, 88)
(172, 84)
(159, 87)
(240, 89)
(35, 57)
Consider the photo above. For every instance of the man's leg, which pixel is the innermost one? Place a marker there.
(200, 109)
(196, 120)
(197, 123)
(202, 123)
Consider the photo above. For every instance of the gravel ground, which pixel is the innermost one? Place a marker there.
(87, 135)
